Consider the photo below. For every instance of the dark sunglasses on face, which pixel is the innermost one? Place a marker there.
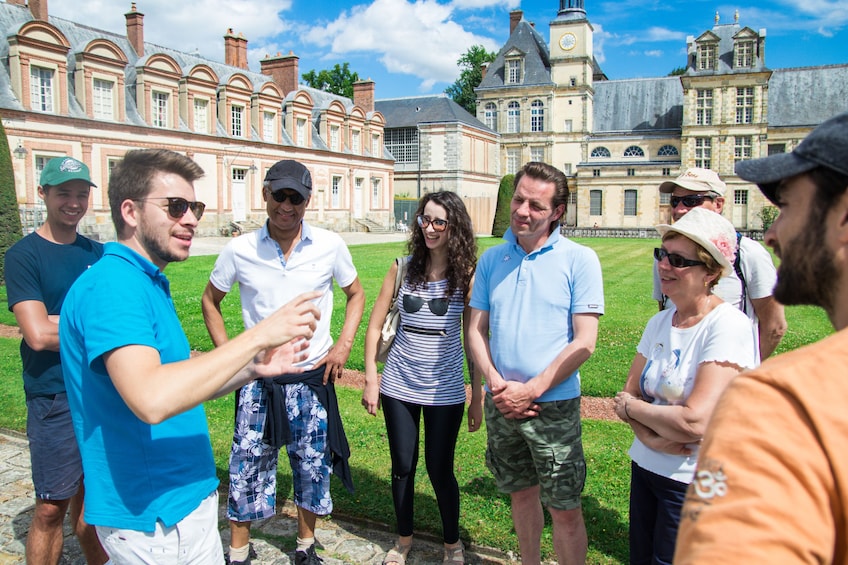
(691, 200)
(177, 207)
(412, 304)
(437, 223)
(295, 197)
(675, 260)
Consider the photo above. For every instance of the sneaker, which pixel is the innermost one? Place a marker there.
(308, 557)
(251, 553)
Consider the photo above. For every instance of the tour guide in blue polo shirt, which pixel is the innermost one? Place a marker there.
(135, 396)
(534, 320)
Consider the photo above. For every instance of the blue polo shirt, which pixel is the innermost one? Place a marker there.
(135, 473)
(531, 298)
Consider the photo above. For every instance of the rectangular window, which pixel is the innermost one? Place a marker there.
(537, 117)
(375, 146)
(566, 168)
(41, 89)
(707, 57)
(742, 148)
(376, 193)
(704, 107)
(537, 154)
(513, 118)
(201, 115)
(703, 152)
(665, 198)
(666, 172)
(745, 105)
(268, 127)
(490, 117)
(102, 102)
(740, 197)
(596, 172)
(596, 203)
(301, 132)
(513, 71)
(334, 138)
(568, 126)
(631, 172)
(159, 111)
(776, 148)
(402, 143)
(513, 160)
(335, 192)
(237, 121)
(745, 54)
(355, 144)
(630, 197)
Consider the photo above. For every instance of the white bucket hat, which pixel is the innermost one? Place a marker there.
(696, 180)
(709, 230)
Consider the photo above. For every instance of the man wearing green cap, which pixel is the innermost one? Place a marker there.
(39, 270)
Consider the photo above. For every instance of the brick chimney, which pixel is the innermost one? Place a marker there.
(241, 51)
(363, 94)
(484, 68)
(282, 69)
(231, 49)
(135, 30)
(514, 17)
(38, 9)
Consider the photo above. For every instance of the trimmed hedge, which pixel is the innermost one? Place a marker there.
(10, 219)
(502, 208)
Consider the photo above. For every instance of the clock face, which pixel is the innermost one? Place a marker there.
(567, 41)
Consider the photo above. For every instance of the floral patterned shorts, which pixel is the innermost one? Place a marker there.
(253, 463)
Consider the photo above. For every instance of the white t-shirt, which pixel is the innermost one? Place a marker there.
(673, 357)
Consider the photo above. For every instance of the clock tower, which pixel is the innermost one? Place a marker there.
(571, 45)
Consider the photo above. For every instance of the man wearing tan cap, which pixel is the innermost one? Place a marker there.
(749, 287)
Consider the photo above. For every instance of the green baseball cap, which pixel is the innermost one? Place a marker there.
(62, 169)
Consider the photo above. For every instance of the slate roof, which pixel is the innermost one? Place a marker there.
(638, 105)
(407, 112)
(537, 58)
(807, 96)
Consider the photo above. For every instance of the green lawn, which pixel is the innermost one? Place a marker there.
(486, 518)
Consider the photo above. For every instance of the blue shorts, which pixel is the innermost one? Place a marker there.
(253, 463)
(53, 450)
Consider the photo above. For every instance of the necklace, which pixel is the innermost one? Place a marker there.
(691, 320)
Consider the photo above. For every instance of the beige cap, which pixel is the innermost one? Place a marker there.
(696, 180)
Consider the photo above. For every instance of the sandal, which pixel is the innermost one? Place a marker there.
(454, 554)
(397, 554)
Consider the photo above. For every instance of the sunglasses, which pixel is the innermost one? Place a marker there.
(675, 260)
(412, 304)
(437, 223)
(295, 197)
(691, 200)
(177, 207)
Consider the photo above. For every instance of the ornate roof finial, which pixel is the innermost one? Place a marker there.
(736, 16)
(716, 18)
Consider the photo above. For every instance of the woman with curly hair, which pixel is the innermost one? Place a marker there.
(424, 369)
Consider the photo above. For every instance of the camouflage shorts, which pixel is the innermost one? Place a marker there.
(546, 450)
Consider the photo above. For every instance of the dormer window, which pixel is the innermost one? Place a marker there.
(707, 57)
(513, 71)
(744, 54)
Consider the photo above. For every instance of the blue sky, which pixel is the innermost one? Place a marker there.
(410, 47)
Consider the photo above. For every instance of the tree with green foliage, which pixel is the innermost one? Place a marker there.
(338, 80)
(768, 215)
(502, 208)
(676, 72)
(10, 219)
(471, 63)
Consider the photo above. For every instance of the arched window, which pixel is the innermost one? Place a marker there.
(490, 115)
(513, 117)
(600, 152)
(634, 151)
(537, 116)
(668, 151)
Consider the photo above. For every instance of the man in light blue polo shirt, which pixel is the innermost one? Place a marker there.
(534, 320)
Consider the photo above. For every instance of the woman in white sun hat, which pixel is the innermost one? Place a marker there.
(686, 357)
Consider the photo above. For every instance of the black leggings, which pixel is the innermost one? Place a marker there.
(441, 428)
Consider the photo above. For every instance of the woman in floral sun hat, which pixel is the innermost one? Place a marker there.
(686, 357)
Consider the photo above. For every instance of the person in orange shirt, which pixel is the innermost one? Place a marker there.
(771, 484)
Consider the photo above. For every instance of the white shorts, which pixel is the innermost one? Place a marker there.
(194, 539)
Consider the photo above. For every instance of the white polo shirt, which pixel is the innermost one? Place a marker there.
(267, 281)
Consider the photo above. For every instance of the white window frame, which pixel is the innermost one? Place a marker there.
(201, 115)
(237, 120)
(513, 160)
(745, 105)
(513, 117)
(490, 116)
(301, 132)
(159, 108)
(513, 71)
(102, 99)
(537, 116)
(268, 129)
(743, 147)
(41, 89)
(703, 152)
(704, 107)
(335, 192)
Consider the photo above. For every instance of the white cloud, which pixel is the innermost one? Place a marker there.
(654, 53)
(478, 4)
(419, 39)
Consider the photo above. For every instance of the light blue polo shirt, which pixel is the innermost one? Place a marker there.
(531, 299)
(135, 473)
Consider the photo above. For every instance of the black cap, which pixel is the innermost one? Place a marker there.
(826, 146)
(289, 174)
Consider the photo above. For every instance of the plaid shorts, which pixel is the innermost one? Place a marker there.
(253, 463)
(546, 450)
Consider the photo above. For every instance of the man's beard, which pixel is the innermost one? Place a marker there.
(154, 247)
(807, 274)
